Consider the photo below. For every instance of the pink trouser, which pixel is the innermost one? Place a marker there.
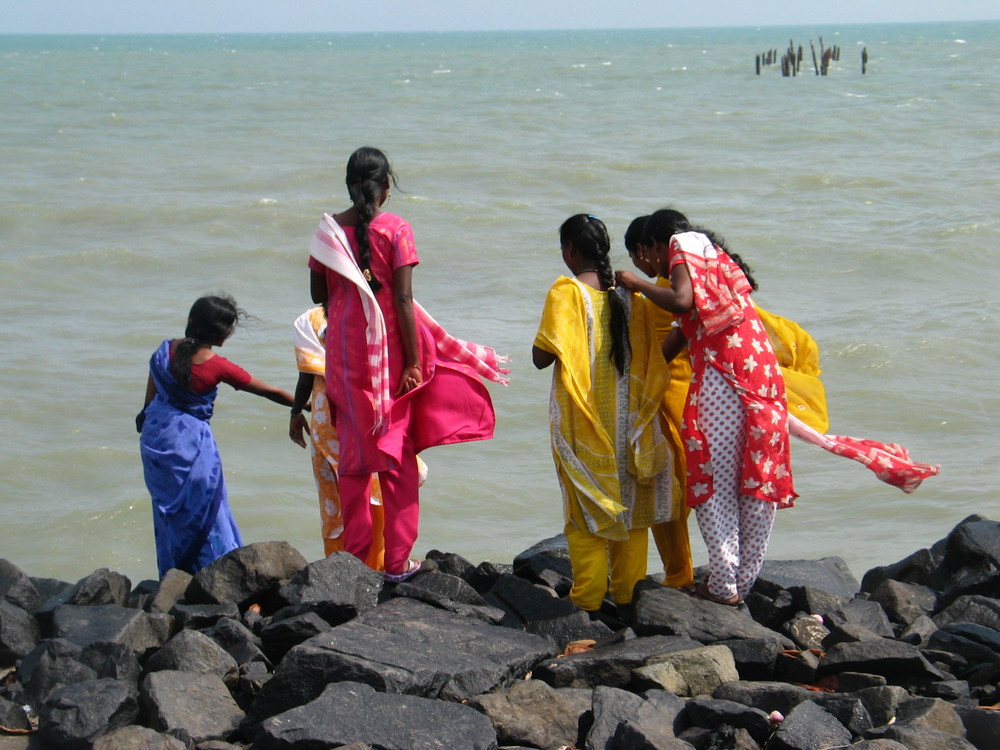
(400, 504)
(736, 528)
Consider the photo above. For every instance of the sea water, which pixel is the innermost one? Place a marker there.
(140, 172)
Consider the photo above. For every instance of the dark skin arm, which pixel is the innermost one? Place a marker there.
(272, 393)
(673, 344)
(541, 358)
(403, 301)
(678, 299)
(298, 425)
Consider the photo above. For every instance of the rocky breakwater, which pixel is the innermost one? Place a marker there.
(264, 650)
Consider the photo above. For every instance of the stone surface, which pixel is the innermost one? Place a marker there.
(830, 574)
(245, 576)
(337, 588)
(695, 672)
(17, 588)
(348, 712)
(531, 713)
(74, 715)
(404, 646)
(809, 727)
(135, 737)
(19, 633)
(107, 623)
(193, 651)
(893, 660)
(611, 665)
(194, 707)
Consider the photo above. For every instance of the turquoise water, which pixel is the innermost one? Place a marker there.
(141, 172)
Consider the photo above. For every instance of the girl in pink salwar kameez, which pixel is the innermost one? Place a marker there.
(398, 383)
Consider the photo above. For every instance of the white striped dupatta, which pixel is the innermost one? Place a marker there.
(331, 247)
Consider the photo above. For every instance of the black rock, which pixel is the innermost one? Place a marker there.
(830, 574)
(547, 562)
(754, 657)
(106, 623)
(200, 616)
(193, 707)
(19, 633)
(451, 564)
(245, 576)
(17, 588)
(404, 646)
(135, 737)
(169, 591)
(74, 715)
(193, 651)
(349, 712)
(524, 601)
(52, 664)
(533, 714)
(338, 588)
(765, 696)
(715, 712)
(893, 660)
(450, 593)
(905, 602)
(809, 727)
(280, 635)
(609, 666)
(238, 640)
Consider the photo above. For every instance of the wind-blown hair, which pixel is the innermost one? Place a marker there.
(210, 322)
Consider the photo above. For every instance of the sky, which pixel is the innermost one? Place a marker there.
(281, 16)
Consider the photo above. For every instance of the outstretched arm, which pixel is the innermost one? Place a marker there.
(258, 387)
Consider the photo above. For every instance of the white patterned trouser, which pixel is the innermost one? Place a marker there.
(736, 528)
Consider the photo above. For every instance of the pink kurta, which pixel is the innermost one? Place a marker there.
(724, 332)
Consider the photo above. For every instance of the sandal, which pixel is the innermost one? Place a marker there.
(702, 592)
(412, 568)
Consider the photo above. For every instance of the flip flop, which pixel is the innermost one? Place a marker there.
(702, 592)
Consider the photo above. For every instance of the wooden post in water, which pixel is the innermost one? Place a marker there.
(864, 60)
(758, 64)
(815, 64)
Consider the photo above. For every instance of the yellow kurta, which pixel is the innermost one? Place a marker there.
(611, 457)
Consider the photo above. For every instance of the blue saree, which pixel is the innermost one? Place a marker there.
(192, 523)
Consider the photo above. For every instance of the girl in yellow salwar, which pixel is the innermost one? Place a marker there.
(612, 460)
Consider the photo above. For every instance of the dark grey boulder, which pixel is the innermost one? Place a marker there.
(893, 660)
(809, 727)
(611, 665)
(349, 712)
(245, 576)
(771, 611)
(193, 707)
(952, 691)
(451, 564)
(882, 744)
(547, 562)
(193, 651)
(817, 601)
(973, 652)
(575, 626)
(17, 588)
(982, 726)
(52, 664)
(487, 573)
(404, 646)
(765, 696)
(19, 633)
(919, 631)
(930, 713)
(135, 737)
(169, 591)
(798, 668)
(74, 715)
(525, 602)
(661, 610)
(107, 623)
(102, 587)
(238, 640)
(925, 567)
(847, 632)
(644, 736)
(977, 609)
(882, 702)
(865, 613)
(972, 552)
(905, 602)
(851, 682)
(848, 709)
(280, 635)
(830, 574)
(338, 588)
(533, 714)
(114, 661)
(754, 657)
(450, 593)
(201, 616)
(13, 717)
(920, 738)
(715, 712)
(613, 708)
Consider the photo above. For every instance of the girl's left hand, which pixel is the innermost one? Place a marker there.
(410, 379)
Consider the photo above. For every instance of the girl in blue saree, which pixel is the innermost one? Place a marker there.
(192, 523)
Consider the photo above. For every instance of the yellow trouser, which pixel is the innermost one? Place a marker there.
(594, 557)
(674, 546)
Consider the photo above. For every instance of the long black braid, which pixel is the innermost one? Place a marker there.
(589, 237)
(667, 222)
(368, 170)
(210, 322)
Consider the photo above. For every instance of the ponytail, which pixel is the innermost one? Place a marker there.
(367, 172)
(590, 238)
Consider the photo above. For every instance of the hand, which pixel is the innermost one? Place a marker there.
(297, 426)
(410, 379)
(140, 419)
(626, 279)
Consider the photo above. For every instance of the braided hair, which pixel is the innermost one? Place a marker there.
(667, 222)
(210, 322)
(589, 237)
(368, 170)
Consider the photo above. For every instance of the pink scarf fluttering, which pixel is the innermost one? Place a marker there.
(890, 462)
